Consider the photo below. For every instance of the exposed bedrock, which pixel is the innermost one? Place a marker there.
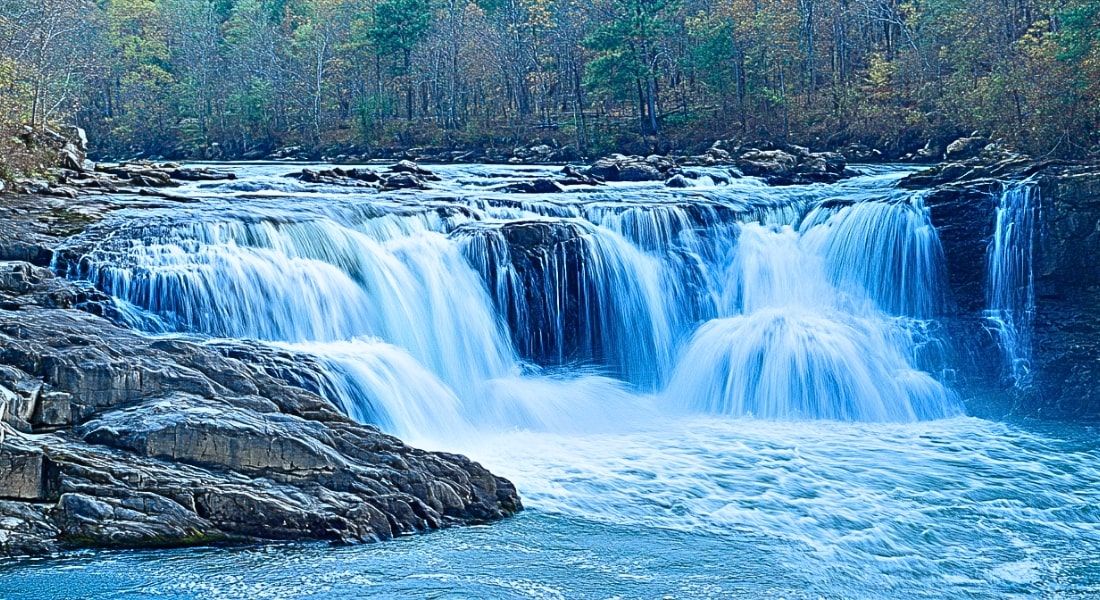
(1065, 331)
(535, 269)
(110, 438)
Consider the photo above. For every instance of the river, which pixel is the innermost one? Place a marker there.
(730, 390)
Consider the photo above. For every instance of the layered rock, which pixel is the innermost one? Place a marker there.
(119, 439)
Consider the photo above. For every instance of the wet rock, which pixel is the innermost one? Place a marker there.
(678, 181)
(27, 473)
(541, 185)
(572, 176)
(143, 520)
(409, 167)
(639, 172)
(629, 168)
(856, 153)
(1066, 320)
(201, 174)
(338, 176)
(27, 529)
(404, 181)
(766, 163)
(548, 258)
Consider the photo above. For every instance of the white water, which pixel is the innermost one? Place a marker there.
(1010, 290)
(742, 362)
(728, 304)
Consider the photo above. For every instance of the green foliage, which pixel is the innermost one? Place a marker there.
(398, 25)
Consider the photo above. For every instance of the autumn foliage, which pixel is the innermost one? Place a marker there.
(232, 78)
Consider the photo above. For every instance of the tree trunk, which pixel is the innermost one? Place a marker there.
(408, 84)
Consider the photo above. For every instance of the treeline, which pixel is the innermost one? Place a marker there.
(232, 78)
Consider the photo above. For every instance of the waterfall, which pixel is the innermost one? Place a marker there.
(890, 250)
(797, 346)
(573, 293)
(379, 383)
(1010, 289)
(311, 281)
(441, 317)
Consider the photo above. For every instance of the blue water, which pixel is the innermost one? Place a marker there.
(726, 391)
(960, 508)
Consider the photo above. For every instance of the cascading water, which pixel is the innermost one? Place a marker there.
(744, 300)
(798, 345)
(575, 294)
(745, 375)
(1010, 290)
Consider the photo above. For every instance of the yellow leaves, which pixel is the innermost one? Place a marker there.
(880, 75)
(540, 14)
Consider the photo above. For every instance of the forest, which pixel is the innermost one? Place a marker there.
(242, 78)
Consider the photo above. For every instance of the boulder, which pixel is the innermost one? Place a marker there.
(201, 174)
(766, 163)
(541, 185)
(678, 181)
(860, 153)
(575, 177)
(27, 472)
(605, 169)
(630, 168)
(640, 172)
(403, 181)
(71, 158)
(964, 148)
(408, 166)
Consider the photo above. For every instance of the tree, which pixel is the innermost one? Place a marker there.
(397, 28)
(629, 54)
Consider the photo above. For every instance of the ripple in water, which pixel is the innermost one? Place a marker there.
(698, 508)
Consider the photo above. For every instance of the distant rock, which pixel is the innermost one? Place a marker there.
(618, 167)
(965, 148)
(766, 163)
(856, 153)
(541, 185)
(408, 166)
(403, 181)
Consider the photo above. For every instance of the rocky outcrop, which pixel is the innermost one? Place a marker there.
(537, 270)
(111, 438)
(788, 164)
(1065, 326)
(993, 163)
(618, 167)
(405, 175)
(72, 178)
(965, 148)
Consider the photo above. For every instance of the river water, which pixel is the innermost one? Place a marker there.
(731, 390)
